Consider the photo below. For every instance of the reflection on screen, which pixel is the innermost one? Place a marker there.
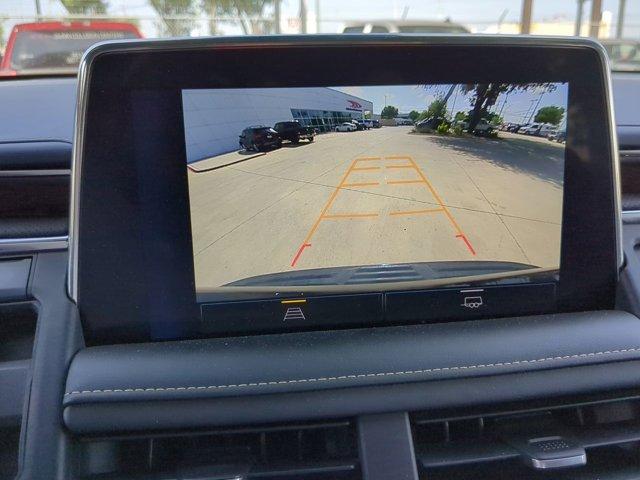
(368, 184)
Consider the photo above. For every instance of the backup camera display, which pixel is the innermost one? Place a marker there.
(371, 184)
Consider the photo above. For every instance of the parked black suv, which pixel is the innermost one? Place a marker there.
(360, 125)
(294, 132)
(259, 137)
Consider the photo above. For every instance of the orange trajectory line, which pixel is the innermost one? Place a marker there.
(459, 232)
(464, 238)
(362, 184)
(302, 247)
(403, 182)
(363, 169)
(350, 215)
(417, 212)
(399, 166)
(422, 179)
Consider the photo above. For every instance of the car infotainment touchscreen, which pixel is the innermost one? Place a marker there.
(246, 186)
(354, 185)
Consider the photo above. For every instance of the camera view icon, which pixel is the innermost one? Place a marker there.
(472, 302)
(293, 313)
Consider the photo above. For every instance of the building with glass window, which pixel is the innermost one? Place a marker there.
(214, 118)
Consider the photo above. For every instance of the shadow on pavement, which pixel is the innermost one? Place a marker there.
(545, 162)
(303, 143)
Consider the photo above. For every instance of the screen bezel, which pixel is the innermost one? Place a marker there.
(114, 231)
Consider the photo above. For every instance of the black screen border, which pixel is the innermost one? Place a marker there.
(130, 110)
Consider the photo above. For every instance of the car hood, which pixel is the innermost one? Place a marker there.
(382, 273)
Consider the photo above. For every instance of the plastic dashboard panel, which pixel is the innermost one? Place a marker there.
(338, 373)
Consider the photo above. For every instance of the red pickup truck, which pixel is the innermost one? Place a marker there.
(56, 47)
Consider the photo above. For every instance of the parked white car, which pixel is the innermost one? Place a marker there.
(346, 127)
(539, 129)
(546, 129)
(531, 129)
(405, 26)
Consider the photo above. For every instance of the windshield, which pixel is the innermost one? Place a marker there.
(624, 55)
(47, 38)
(56, 48)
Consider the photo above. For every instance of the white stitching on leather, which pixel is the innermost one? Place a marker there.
(357, 376)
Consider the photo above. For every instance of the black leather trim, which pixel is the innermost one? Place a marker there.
(98, 418)
(318, 361)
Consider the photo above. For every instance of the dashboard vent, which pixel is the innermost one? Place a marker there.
(310, 451)
(482, 447)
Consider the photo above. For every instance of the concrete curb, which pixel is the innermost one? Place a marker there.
(202, 170)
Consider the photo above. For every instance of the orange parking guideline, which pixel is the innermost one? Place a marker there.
(401, 182)
(423, 179)
(329, 203)
(362, 184)
(362, 169)
(417, 212)
(298, 253)
(399, 166)
(459, 232)
(350, 215)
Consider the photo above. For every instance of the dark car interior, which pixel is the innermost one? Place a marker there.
(122, 358)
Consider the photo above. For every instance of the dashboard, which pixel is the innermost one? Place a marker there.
(235, 305)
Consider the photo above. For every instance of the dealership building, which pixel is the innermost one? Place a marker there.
(214, 118)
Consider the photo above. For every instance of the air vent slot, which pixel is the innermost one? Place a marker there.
(307, 451)
(479, 447)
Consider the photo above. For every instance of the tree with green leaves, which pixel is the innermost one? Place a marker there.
(413, 115)
(249, 12)
(170, 10)
(436, 109)
(485, 95)
(550, 114)
(85, 7)
(461, 117)
(494, 119)
(389, 112)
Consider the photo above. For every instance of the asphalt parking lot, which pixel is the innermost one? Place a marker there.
(378, 196)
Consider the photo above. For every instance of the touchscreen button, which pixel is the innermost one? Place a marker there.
(470, 302)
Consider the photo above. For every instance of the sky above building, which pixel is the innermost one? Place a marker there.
(517, 107)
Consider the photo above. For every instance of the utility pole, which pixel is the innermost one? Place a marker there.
(38, 10)
(503, 104)
(453, 107)
(525, 18)
(277, 15)
(578, 28)
(303, 16)
(535, 108)
(448, 95)
(501, 18)
(596, 18)
(526, 114)
(317, 16)
(621, 8)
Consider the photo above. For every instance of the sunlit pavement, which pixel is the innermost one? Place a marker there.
(378, 196)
